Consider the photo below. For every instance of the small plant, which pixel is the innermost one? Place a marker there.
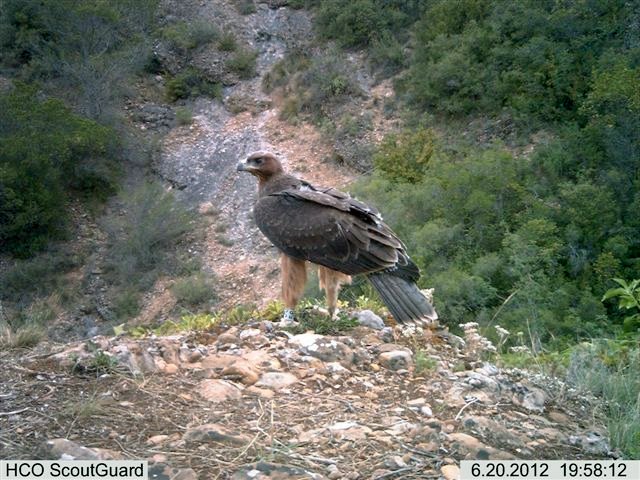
(240, 315)
(245, 7)
(243, 62)
(126, 304)
(191, 82)
(184, 116)
(25, 336)
(311, 318)
(194, 290)
(476, 345)
(424, 363)
(224, 241)
(187, 36)
(187, 323)
(273, 311)
(227, 42)
(628, 295)
(100, 363)
(282, 71)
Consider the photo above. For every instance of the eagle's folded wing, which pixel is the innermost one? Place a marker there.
(331, 229)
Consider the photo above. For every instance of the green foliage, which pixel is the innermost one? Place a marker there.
(184, 116)
(628, 295)
(533, 58)
(83, 51)
(102, 363)
(360, 22)
(243, 62)
(610, 370)
(24, 336)
(273, 311)
(245, 7)
(188, 36)
(194, 290)
(283, 70)
(227, 42)
(424, 363)
(404, 158)
(324, 82)
(500, 237)
(72, 155)
(142, 243)
(39, 276)
(191, 82)
(319, 322)
(387, 54)
(187, 323)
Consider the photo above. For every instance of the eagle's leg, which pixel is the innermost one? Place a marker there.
(294, 277)
(330, 281)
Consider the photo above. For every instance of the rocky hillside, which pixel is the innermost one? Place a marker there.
(199, 160)
(247, 399)
(257, 402)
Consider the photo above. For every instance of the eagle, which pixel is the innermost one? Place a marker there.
(341, 235)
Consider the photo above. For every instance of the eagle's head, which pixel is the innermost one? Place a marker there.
(261, 164)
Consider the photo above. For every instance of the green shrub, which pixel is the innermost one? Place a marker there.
(609, 369)
(184, 116)
(243, 62)
(387, 55)
(73, 155)
(404, 158)
(188, 36)
(359, 22)
(245, 7)
(227, 42)
(479, 55)
(191, 82)
(326, 83)
(126, 304)
(283, 70)
(194, 290)
(140, 240)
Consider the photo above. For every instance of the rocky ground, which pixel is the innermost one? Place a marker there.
(254, 401)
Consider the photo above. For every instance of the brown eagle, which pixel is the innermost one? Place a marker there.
(340, 234)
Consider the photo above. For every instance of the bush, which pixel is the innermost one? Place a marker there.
(283, 70)
(227, 42)
(84, 52)
(609, 369)
(188, 36)
(360, 22)
(327, 82)
(245, 7)
(243, 62)
(191, 82)
(184, 116)
(533, 58)
(194, 290)
(140, 240)
(73, 155)
(404, 158)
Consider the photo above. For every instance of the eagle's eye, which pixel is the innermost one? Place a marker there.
(258, 161)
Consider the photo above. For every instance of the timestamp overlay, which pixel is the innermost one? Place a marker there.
(550, 469)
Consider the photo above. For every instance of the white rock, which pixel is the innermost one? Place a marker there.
(276, 380)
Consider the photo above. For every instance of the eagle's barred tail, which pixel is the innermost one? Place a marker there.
(403, 298)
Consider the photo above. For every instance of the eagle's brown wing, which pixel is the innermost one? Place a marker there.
(330, 228)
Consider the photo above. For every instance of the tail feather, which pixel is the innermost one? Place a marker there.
(403, 298)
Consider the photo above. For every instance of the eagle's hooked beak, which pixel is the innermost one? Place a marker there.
(242, 167)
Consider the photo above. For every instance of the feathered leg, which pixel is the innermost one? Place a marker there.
(294, 277)
(330, 281)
